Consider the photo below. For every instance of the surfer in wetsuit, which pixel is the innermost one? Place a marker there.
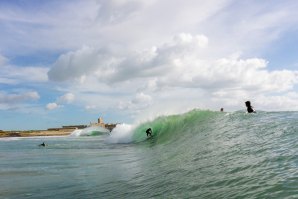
(249, 107)
(43, 144)
(149, 132)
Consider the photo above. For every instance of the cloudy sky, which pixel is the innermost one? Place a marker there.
(68, 62)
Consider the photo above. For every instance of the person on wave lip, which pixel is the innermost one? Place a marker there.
(149, 132)
(249, 107)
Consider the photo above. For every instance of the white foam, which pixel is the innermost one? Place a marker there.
(10, 138)
(122, 133)
(76, 133)
(88, 131)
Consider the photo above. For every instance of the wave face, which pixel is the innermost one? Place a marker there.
(171, 128)
(236, 155)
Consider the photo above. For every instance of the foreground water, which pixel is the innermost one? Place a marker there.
(200, 154)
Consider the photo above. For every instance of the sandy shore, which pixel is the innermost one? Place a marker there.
(36, 133)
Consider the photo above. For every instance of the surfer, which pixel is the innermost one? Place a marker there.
(43, 144)
(249, 107)
(221, 109)
(149, 132)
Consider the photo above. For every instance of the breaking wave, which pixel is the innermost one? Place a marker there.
(90, 131)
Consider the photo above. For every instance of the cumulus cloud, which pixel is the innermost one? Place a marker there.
(67, 98)
(3, 60)
(137, 23)
(109, 67)
(178, 63)
(145, 54)
(117, 11)
(13, 100)
(139, 102)
(141, 97)
(15, 75)
(52, 106)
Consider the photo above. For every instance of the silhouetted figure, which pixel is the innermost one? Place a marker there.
(249, 107)
(221, 109)
(149, 132)
(43, 144)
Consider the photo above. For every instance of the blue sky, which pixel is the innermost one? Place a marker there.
(69, 62)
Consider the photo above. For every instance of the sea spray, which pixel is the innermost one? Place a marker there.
(122, 133)
(89, 131)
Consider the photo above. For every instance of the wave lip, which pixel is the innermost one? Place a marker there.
(90, 131)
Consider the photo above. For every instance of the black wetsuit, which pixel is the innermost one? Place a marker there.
(149, 132)
(250, 110)
(249, 107)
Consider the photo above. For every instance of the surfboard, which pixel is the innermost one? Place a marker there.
(149, 137)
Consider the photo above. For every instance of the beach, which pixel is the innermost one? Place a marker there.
(32, 133)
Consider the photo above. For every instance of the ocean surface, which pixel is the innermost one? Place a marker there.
(198, 154)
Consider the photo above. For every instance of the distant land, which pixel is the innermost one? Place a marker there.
(62, 131)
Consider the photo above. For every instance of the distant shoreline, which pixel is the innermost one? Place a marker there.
(62, 131)
(34, 133)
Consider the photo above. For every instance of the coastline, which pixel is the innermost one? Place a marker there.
(32, 133)
(61, 131)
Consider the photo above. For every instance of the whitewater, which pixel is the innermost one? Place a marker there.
(198, 154)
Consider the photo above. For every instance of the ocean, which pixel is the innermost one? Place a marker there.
(198, 154)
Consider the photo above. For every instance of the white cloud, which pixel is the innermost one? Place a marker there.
(138, 23)
(52, 106)
(3, 60)
(177, 64)
(139, 102)
(67, 98)
(284, 102)
(156, 55)
(90, 107)
(116, 11)
(141, 97)
(13, 100)
(16, 75)
(64, 99)
(112, 67)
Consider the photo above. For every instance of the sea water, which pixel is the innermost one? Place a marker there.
(199, 154)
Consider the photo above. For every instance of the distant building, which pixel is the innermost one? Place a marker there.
(74, 127)
(100, 120)
(70, 127)
(101, 123)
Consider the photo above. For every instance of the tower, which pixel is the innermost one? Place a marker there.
(100, 120)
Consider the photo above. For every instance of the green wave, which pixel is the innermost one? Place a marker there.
(169, 128)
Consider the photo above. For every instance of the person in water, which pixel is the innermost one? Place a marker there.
(149, 132)
(221, 109)
(43, 144)
(249, 107)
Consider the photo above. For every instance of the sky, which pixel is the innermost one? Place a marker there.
(69, 62)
